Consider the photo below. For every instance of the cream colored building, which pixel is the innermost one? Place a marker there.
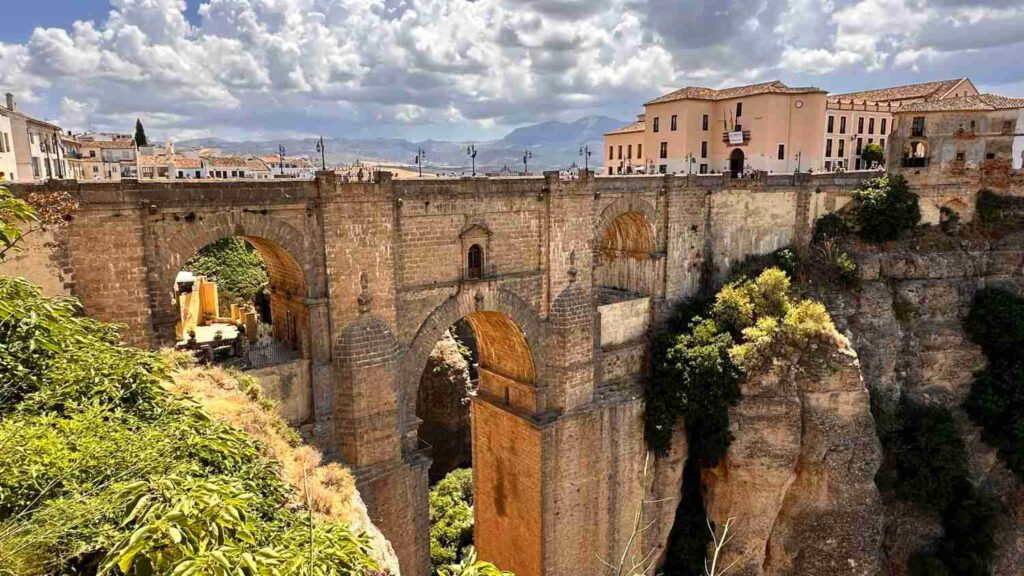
(108, 157)
(856, 119)
(768, 127)
(8, 162)
(38, 152)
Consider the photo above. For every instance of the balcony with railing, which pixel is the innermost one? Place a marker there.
(728, 140)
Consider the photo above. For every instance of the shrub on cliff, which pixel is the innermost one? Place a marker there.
(104, 470)
(885, 208)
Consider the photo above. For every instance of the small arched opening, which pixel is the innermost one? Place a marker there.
(475, 262)
(737, 161)
(240, 300)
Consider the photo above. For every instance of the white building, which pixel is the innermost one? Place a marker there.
(38, 152)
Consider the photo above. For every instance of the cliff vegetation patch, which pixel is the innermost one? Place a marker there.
(752, 325)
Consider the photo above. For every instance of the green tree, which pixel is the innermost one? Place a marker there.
(871, 154)
(140, 134)
(451, 519)
(885, 208)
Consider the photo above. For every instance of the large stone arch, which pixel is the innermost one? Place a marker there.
(292, 273)
(473, 299)
(626, 205)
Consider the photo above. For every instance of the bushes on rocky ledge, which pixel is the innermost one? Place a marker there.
(696, 371)
(104, 470)
(884, 208)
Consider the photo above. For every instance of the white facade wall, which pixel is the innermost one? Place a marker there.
(8, 163)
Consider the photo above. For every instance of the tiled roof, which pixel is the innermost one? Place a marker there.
(226, 161)
(935, 89)
(700, 93)
(161, 160)
(634, 127)
(256, 164)
(981, 102)
(187, 162)
(112, 144)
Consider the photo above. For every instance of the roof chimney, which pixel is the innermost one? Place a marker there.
(10, 102)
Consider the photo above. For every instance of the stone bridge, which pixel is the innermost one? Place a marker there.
(561, 281)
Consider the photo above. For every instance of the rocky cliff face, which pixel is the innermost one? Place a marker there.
(906, 325)
(798, 477)
(443, 405)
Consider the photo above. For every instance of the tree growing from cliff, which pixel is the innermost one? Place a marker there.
(451, 519)
(696, 375)
(885, 208)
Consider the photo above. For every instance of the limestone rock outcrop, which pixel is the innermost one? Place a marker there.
(443, 405)
(798, 479)
(906, 325)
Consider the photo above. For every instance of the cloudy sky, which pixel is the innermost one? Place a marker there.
(465, 69)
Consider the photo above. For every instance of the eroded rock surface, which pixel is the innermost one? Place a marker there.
(798, 477)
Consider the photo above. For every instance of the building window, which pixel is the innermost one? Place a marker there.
(629, 151)
(871, 125)
(842, 148)
(990, 156)
(611, 152)
(1007, 129)
(960, 156)
(620, 151)
(917, 128)
(842, 124)
(703, 168)
(704, 149)
(656, 124)
(610, 171)
(881, 142)
(704, 123)
(739, 109)
(870, 140)
(675, 122)
(662, 169)
(639, 151)
(828, 165)
(860, 146)
(860, 125)
(831, 124)
(884, 122)
(782, 151)
(664, 150)
(475, 262)
(828, 148)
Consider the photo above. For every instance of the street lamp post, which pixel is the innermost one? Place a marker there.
(526, 158)
(585, 152)
(421, 155)
(280, 156)
(323, 153)
(798, 159)
(471, 152)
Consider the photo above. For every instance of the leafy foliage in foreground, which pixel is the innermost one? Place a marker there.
(102, 471)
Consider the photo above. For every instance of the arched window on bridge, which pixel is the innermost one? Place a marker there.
(475, 262)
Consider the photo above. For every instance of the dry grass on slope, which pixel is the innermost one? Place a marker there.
(238, 400)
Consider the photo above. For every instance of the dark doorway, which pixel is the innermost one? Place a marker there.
(736, 162)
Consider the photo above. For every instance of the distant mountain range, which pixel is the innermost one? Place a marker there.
(553, 145)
